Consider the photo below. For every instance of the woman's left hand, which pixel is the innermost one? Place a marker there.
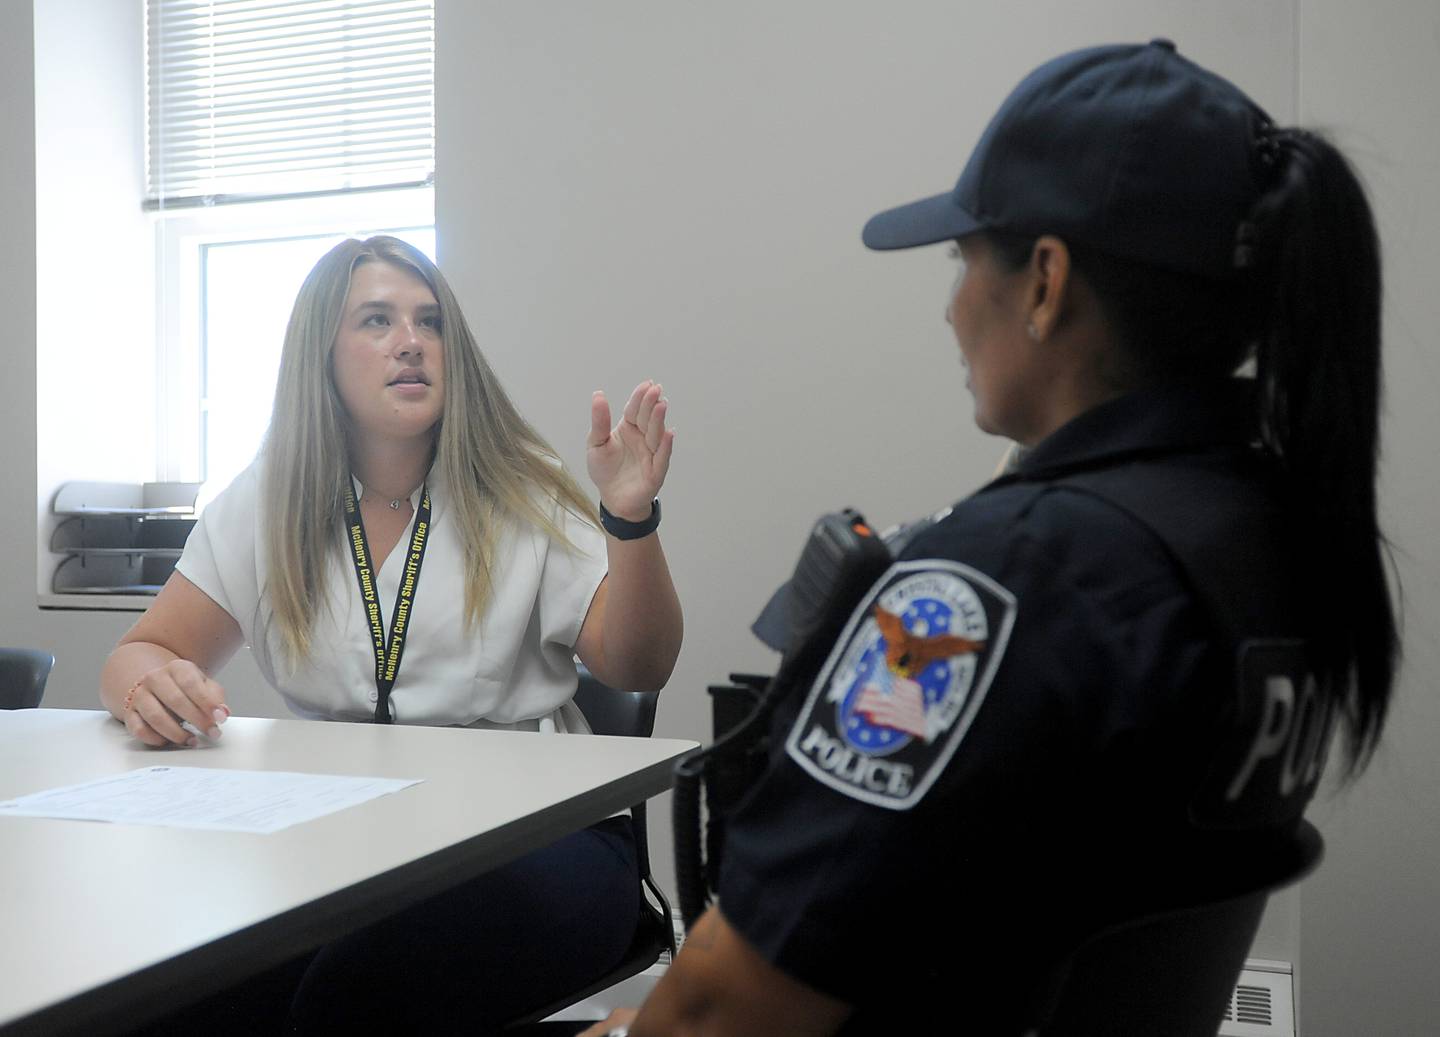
(628, 463)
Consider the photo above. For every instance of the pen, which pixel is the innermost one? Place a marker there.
(200, 736)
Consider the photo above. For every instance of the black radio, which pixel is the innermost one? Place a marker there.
(841, 561)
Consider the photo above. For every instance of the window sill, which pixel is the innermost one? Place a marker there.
(97, 602)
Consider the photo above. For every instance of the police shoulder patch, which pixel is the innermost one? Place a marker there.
(903, 684)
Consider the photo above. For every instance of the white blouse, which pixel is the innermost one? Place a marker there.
(514, 670)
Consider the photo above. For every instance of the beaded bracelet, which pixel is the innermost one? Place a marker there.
(130, 695)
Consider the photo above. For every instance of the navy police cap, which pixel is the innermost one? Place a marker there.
(1128, 149)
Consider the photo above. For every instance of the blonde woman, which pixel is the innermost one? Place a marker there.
(392, 438)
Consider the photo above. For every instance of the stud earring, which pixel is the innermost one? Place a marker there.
(1032, 331)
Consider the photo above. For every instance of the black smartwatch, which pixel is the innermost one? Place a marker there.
(623, 530)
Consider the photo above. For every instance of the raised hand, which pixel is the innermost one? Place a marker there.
(628, 463)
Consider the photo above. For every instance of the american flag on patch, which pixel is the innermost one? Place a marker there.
(902, 708)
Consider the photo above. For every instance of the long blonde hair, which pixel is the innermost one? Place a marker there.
(492, 461)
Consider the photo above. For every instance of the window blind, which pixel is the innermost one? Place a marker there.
(252, 99)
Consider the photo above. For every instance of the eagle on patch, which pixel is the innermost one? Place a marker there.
(901, 706)
(907, 653)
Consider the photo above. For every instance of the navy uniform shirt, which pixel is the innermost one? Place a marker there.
(1045, 717)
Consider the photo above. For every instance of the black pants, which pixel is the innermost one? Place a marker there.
(465, 961)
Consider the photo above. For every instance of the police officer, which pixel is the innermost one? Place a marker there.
(1105, 683)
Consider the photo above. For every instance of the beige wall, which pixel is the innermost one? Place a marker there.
(79, 641)
(77, 258)
(675, 189)
(1371, 921)
(17, 302)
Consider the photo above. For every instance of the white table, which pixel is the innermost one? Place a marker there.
(104, 926)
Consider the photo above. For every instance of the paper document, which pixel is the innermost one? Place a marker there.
(201, 797)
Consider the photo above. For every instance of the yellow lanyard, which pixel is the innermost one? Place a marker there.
(387, 653)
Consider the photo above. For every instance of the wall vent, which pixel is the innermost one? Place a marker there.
(1263, 1003)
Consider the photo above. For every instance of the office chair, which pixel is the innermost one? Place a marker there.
(611, 712)
(1170, 973)
(23, 672)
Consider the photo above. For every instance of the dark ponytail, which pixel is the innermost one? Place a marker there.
(1306, 307)
(1316, 269)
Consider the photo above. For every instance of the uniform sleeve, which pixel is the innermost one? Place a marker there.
(220, 553)
(869, 753)
(930, 781)
(570, 578)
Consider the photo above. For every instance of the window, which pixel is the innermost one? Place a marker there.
(248, 287)
(228, 278)
(274, 130)
(267, 98)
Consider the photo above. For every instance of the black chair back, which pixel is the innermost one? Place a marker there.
(23, 672)
(630, 713)
(611, 712)
(1172, 973)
